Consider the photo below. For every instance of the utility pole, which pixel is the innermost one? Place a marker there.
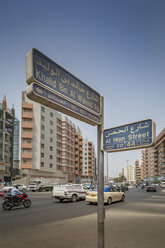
(100, 200)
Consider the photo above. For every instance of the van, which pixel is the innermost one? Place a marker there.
(71, 192)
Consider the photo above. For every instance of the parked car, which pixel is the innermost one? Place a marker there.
(21, 187)
(71, 192)
(162, 185)
(111, 194)
(7, 189)
(151, 188)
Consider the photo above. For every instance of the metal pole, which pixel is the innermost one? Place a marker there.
(100, 207)
(107, 167)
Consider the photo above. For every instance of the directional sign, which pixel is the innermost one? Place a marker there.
(45, 72)
(47, 97)
(131, 136)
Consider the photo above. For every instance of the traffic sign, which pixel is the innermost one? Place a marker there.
(131, 136)
(45, 72)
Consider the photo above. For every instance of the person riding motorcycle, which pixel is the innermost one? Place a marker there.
(14, 193)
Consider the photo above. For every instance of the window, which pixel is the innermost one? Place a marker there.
(42, 155)
(51, 140)
(51, 114)
(42, 127)
(42, 164)
(42, 136)
(51, 123)
(51, 148)
(51, 165)
(51, 156)
(42, 145)
(51, 131)
(42, 118)
(42, 109)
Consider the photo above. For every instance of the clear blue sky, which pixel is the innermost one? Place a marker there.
(116, 47)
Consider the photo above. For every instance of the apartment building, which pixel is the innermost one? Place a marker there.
(154, 159)
(139, 172)
(129, 173)
(159, 156)
(9, 143)
(78, 155)
(146, 161)
(51, 145)
(88, 165)
(67, 148)
(41, 142)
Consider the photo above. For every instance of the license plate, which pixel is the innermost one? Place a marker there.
(93, 195)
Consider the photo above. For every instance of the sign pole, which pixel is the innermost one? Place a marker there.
(100, 207)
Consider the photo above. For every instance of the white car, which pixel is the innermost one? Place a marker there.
(20, 186)
(72, 192)
(7, 189)
(162, 185)
(111, 194)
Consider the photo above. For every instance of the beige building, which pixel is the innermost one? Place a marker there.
(154, 159)
(88, 168)
(139, 171)
(129, 173)
(51, 146)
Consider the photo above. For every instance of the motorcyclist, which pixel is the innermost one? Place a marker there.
(14, 193)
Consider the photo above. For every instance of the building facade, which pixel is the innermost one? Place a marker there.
(154, 159)
(129, 173)
(89, 165)
(9, 143)
(139, 171)
(51, 146)
(159, 156)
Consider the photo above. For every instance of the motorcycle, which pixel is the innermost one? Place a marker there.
(12, 201)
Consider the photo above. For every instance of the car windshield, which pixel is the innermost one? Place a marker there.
(32, 183)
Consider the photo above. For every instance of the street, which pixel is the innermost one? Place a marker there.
(136, 223)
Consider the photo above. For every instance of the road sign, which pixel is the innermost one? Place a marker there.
(131, 136)
(49, 98)
(45, 72)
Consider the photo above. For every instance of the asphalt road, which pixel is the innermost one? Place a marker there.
(138, 222)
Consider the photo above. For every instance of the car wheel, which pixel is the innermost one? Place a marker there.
(109, 201)
(74, 198)
(122, 198)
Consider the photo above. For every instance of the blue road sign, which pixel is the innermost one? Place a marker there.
(49, 98)
(131, 136)
(46, 72)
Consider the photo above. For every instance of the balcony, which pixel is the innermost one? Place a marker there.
(26, 166)
(26, 105)
(27, 115)
(27, 145)
(80, 143)
(26, 155)
(27, 135)
(27, 125)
